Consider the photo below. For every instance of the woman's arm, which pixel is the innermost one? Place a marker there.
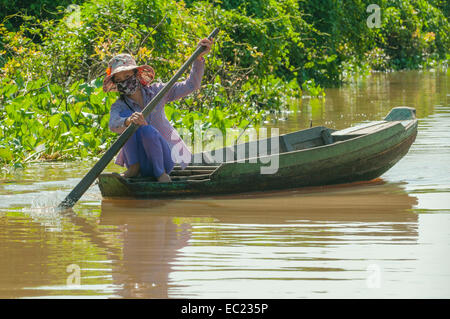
(194, 80)
(192, 83)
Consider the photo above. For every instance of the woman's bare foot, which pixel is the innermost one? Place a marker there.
(132, 171)
(164, 178)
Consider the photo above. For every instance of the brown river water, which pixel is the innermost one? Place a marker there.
(388, 238)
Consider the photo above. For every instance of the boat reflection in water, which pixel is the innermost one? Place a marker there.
(211, 246)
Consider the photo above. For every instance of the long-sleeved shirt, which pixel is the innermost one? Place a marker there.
(157, 118)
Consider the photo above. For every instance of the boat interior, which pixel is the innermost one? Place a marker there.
(204, 164)
(295, 141)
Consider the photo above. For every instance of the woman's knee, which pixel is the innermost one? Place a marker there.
(148, 131)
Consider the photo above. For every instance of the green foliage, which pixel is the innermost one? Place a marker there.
(313, 89)
(43, 9)
(49, 122)
(413, 31)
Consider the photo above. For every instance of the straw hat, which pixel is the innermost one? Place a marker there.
(124, 62)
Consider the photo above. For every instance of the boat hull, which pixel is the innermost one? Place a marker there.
(362, 157)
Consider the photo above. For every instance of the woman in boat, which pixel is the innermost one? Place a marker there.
(149, 151)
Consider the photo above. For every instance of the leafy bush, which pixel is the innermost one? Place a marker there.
(43, 9)
(411, 32)
(49, 122)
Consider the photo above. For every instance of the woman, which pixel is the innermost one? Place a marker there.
(149, 150)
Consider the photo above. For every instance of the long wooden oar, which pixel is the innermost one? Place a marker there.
(90, 177)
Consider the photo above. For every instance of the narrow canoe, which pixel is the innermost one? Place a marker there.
(311, 157)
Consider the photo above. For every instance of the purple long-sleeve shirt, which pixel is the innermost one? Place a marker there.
(157, 118)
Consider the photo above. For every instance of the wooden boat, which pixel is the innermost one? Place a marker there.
(311, 157)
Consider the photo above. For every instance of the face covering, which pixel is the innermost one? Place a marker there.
(129, 86)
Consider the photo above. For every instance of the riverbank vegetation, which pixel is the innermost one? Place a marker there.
(53, 60)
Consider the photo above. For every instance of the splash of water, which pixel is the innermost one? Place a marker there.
(44, 209)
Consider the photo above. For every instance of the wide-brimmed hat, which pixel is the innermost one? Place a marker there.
(124, 62)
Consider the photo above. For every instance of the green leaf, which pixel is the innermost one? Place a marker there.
(243, 123)
(67, 119)
(9, 108)
(54, 120)
(6, 154)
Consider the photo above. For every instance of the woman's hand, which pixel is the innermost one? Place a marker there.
(207, 43)
(136, 118)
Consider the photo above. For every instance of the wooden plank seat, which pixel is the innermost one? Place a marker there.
(363, 129)
(177, 174)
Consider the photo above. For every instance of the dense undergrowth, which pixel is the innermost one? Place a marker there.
(53, 61)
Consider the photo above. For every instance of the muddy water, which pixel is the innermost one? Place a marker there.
(387, 238)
